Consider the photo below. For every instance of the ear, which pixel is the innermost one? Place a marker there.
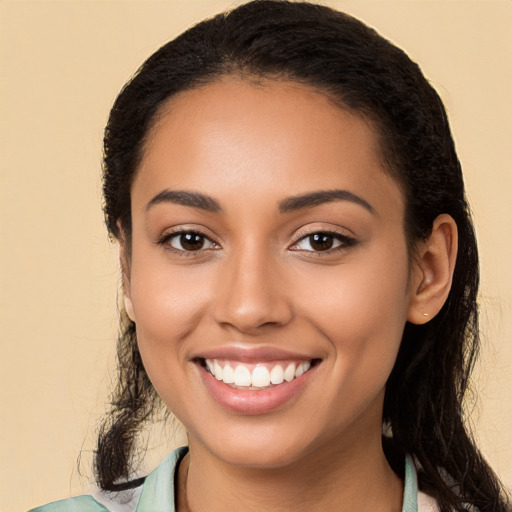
(432, 271)
(124, 259)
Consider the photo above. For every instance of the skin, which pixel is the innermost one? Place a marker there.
(257, 283)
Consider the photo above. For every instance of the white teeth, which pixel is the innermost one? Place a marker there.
(277, 375)
(260, 377)
(242, 376)
(289, 373)
(228, 375)
(217, 368)
(302, 368)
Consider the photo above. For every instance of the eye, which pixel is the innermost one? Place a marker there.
(189, 241)
(322, 241)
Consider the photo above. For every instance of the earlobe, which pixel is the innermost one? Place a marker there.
(433, 271)
(128, 306)
(125, 274)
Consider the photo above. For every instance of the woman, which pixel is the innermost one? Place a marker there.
(299, 269)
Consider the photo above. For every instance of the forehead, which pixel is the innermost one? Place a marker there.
(272, 136)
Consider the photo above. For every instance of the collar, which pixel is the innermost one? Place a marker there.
(158, 490)
(410, 501)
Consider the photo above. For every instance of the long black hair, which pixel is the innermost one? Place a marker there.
(365, 73)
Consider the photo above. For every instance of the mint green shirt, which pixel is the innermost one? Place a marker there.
(157, 492)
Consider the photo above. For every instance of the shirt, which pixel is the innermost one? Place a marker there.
(156, 494)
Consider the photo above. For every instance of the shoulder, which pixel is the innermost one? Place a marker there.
(123, 501)
(85, 503)
(154, 494)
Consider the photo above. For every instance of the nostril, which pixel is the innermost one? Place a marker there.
(250, 295)
(253, 316)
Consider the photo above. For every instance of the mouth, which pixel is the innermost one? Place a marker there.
(256, 376)
(256, 380)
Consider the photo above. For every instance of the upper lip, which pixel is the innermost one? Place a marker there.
(245, 354)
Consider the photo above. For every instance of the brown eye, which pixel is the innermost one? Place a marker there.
(321, 241)
(190, 241)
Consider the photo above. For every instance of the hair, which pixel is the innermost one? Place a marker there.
(366, 74)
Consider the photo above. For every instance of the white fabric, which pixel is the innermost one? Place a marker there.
(426, 503)
(125, 501)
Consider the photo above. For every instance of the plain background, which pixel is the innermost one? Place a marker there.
(61, 65)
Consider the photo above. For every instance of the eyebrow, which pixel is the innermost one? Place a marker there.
(185, 198)
(290, 204)
(313, 199)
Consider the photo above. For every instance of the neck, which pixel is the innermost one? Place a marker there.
(336, 477)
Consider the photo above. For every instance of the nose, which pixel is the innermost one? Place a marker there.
(252, 294)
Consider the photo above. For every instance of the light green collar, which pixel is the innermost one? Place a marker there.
(158, 490)
(410, 503)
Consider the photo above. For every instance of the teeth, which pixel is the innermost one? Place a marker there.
(218, 370)
(289, 373)
(228, 375)
(242, 376)
(302, 368)
(277, 375)
(260, 377)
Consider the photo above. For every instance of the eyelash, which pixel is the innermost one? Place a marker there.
(345, 242)
(165, 241)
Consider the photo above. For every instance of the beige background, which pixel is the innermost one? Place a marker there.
(61, 66)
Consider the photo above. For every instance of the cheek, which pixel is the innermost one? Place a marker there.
(373, 290)
(360, 308)
(167, 299)
(169, 302)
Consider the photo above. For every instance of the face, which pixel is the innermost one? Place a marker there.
(269, 273)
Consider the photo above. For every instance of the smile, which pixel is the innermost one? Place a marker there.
(255, 381)
(256, 376)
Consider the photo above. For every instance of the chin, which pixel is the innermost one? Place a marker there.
(259, 457)
(257, 447)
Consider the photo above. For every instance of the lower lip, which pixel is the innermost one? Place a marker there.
(252, 402)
